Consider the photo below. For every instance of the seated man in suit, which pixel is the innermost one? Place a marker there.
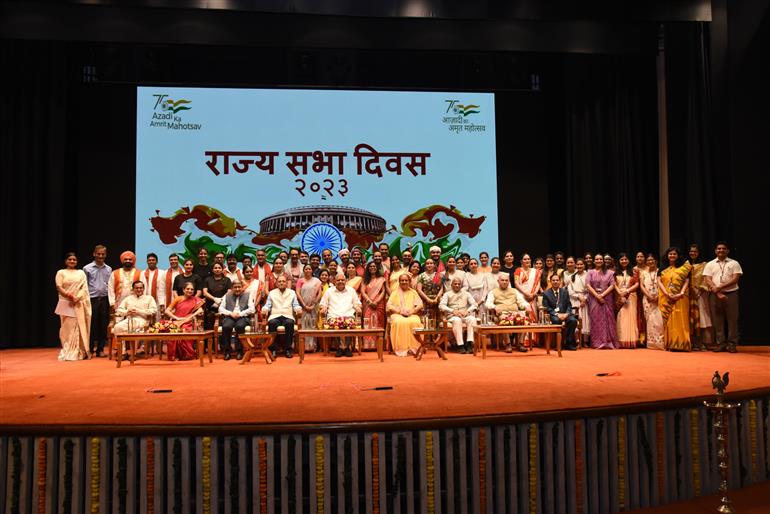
(281, 307)
(557, 303)
(235, 309)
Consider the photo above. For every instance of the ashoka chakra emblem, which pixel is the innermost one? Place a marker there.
(320, 237)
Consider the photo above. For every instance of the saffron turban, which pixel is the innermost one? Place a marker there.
(127, 255)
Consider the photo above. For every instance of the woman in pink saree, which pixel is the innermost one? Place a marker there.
(373, 300)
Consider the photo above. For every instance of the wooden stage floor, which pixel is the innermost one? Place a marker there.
(40, 393)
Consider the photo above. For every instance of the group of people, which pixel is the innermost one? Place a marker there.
(617, 304)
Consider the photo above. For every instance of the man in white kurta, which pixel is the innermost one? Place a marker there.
(137, 309)
(505, 298)
(460, 307)
(341, 301)
(281, 307)
(154, 284)
(169, 275)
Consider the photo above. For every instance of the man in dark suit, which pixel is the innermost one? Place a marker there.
(556, 301)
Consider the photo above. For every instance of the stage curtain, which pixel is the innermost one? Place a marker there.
(694, 189)
(38, 188)
(606, 180)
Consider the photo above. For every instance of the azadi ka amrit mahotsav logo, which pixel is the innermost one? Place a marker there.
(171, 105)
(466, 110)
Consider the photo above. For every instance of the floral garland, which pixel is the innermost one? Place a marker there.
(661, 448)
(622, 463)
(579, 466)
(319, 474)
(42, 457)
(150, 474)
(430, 473)
(339, 323)
(695, 451)
(67, 500)
(376, 473)
(96, 473)
(482, 470)
(262, 451)
(753, 436)
(206, 473)
(533, 468)
(164, 326)
(509, 319)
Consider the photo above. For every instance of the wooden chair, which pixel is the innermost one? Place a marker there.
(251, 328)
(113, 341)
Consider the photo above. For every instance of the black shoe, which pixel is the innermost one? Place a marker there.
(288, 354)
(348, 352)
(126, 357)
(719, 348)
(239, 356)
(100, 355)
(339, 352)
(731, 348)
(227, 356)
(521, 349)
(272, 352)
(697, 348)
(468, 346)
(571, 347)
(508, 349)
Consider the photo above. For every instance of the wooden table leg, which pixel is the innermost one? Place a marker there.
(439, 351)
(380, 345)
(558, 343)
(548, 338)
(199, 343)
(475, 342)
(133, 351)
(483, 347)
(212, 345)
(115, 343)
(301, 349)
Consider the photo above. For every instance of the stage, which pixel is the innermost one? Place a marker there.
(512, 433)
(40, 393)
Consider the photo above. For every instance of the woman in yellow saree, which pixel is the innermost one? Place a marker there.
(674, 302)
(404, 307)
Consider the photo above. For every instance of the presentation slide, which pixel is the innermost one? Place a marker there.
(236, 170)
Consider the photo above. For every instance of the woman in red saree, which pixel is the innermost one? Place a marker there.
(183, 310)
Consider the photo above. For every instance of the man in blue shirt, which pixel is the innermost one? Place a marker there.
(98, 275)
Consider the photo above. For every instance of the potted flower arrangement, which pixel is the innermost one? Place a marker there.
(340, 323)
(509, 319)
(164, 326)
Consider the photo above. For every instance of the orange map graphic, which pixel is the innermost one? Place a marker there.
(423, 220)
(206, 219)
(214, 221)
